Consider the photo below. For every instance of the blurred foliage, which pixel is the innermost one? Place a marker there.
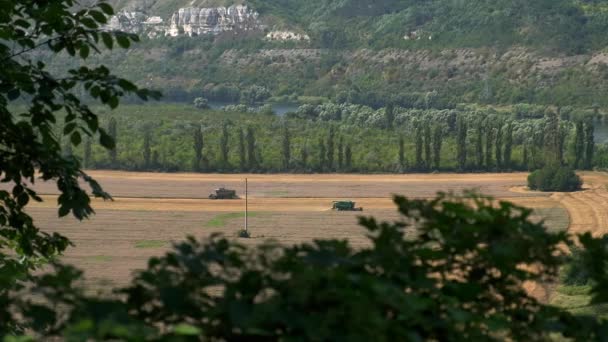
(459, 277)
(31, 147)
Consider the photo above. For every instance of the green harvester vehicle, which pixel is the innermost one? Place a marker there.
(223, 193)
(345, 206)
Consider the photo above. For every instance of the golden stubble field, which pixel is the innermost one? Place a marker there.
(150, 211)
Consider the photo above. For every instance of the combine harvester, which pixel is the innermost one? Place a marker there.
(223, 193)
(345, 206)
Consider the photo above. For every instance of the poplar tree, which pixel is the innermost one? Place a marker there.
(286, 148)
(563, 133)
(419, 143)
(322, 154)
(389, 113)
(198, 148)
(479, 144)
(427, 145)
(113, 134)
(251, 157)
(579, 144)
(437, 142)
(330, 148)
(147, 153)
(304, 156)
(508, 151)
(348, 158)
(551, 140)
(340, 153)
(224, 145)
(526, 157)
(489, 145)
(401, 153)
(589, 145)
(461, 143)
(242, 150)
(498, 146)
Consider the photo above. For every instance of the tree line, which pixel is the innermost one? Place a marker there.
(470, 144)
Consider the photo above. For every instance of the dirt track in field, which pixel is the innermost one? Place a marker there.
(290, 209)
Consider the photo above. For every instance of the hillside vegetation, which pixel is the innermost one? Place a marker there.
(378, 52)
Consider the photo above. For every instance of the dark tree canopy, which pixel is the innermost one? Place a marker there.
(33, 101)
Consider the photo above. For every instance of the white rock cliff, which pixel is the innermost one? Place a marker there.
(189, 21)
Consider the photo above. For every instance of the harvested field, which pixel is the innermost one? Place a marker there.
(199, 186)
(152, 210)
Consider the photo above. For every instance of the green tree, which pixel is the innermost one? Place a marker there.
(340, 153)
(526, 156)
(113, 135)
(242, 151)
(401, 153)
(286, 148)
(552, 137)
(147, 153)
(437, 143)
(322, 155)
(498, 146)
(489, 144)
(330, 148)
(348, 158)
(419, 146)
(427, 145)
(508, 151)
(554, 178)
(589, 145)
(389, 114)
(198, 145)
(563, 135)
(31, 97)
(579, 144)
(201, 103)
(304, 156)
(225, 145)
(252, 162)
(479, 131)
(461, 143)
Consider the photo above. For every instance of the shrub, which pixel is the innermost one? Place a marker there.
(201, 103)
(551, 178)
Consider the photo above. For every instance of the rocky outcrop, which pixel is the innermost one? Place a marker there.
(201, 21)
(190, 21)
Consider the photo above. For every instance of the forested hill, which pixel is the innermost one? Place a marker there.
(572, 26)
(490, 51)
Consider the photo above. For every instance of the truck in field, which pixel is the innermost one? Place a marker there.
(345, 206)
(223, 193)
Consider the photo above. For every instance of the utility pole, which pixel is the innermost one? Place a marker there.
(246, 207)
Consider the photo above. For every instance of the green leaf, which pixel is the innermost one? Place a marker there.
(106, 8)
(88, 22)
(84, 51)
(123, 41)
(69, 128)
(76, 138)
(23, 199)
(98, 16)
(105, 140)
(107, 40)
(186, 330)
